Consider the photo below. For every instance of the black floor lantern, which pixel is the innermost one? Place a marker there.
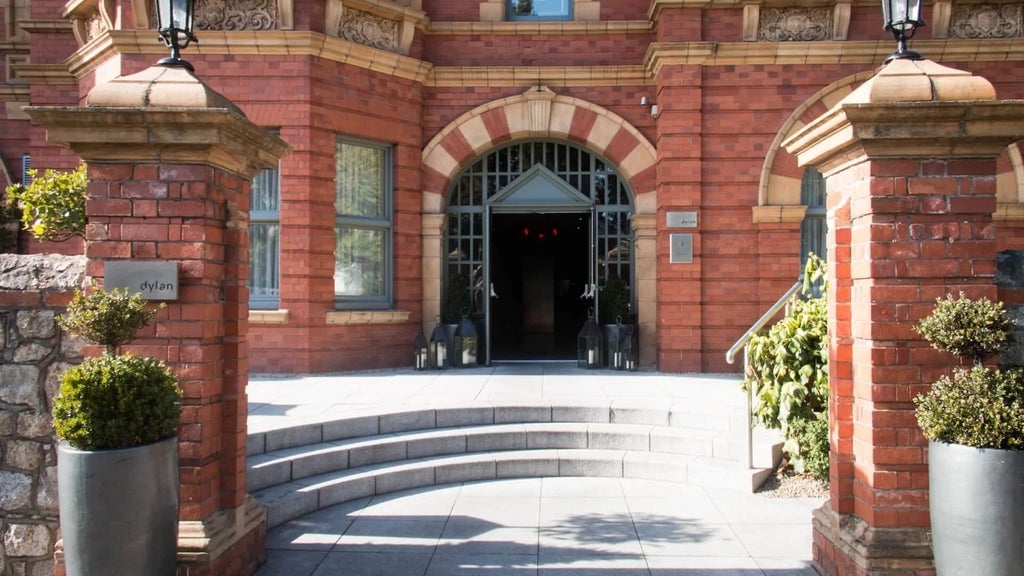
(438, 353)
(466, 342)
(616, 342)
(630, 350)
(421, 352)
(589, 344)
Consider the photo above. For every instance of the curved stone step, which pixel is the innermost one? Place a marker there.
(303, 461)
(727, 419)
(292, 499)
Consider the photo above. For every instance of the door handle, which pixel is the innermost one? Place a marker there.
(493, 293)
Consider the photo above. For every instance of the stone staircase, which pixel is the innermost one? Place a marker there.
(299, 469)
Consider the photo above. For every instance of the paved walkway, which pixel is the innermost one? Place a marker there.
(534, 526)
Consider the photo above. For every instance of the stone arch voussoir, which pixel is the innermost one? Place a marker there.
(540, 113)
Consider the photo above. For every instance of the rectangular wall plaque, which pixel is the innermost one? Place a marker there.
(681, 248)
(153, 280)
(681, 219)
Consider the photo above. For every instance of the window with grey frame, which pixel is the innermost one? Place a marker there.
(538, 10)
(265, 241)
(813, 228)
(363, 225)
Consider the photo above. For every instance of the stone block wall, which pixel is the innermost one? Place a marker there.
(34, 352)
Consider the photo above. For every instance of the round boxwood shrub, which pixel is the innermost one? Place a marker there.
(116, 400)
(980, 407)
(973, 329)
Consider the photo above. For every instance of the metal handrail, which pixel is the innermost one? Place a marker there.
(743, 342)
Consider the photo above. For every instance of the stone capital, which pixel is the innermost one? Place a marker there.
(217, 137)
(164, 115)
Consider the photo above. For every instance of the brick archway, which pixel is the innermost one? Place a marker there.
(778, 193)
(540, 113)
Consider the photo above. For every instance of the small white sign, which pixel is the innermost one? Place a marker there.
(153, 280)
(681, 219)
(680, 248)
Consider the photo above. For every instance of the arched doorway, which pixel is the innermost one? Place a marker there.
(534, 230)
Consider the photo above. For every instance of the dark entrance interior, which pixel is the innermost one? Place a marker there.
(539, 270)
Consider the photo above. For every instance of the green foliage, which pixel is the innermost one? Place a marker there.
(108, 319)
(52, 205)
(456, 299)
(614, 303)
(980, 407)
(807, 445)
(9, 218)
(974, 329)
(788, 371)
(115, 402)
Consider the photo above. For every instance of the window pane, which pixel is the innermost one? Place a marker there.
(263, 260)
(359, 264)
(264, 191)
(539, 8)
(359, 181)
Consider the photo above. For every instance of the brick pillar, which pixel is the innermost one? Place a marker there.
(170, 165)
(679, 286)
(909, 160)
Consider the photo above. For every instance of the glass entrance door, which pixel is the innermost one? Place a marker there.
(540, 272)
(534, 231)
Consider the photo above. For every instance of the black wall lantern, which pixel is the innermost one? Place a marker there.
(590, 344)
(174, 21)
(438, 353)
(421, 352)
(902, 18)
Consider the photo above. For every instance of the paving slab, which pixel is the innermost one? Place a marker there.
(541, 526)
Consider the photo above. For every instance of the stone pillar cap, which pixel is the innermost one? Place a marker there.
(911, 109)
(921, 81)
(159, 87)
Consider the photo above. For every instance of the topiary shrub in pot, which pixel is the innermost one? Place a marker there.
(116, 416)
(974, 422)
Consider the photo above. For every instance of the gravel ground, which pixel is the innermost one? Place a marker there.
(787, 484)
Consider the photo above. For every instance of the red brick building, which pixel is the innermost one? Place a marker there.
(521, 154)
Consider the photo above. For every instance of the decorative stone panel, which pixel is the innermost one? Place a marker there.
(978, 21)
(90, 18)
(795, 24)
(370, 30)
(233, 15)
(381, 24)
(34, 352)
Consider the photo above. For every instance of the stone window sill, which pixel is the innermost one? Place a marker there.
(268, 316)
(362, 317)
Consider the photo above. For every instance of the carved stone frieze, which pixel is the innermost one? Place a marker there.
(95, 26)
(974, 21)
(795, 24)
(370, 30)
(236, 15)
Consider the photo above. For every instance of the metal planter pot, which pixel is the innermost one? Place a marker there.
(119, 509)
(977, 510)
